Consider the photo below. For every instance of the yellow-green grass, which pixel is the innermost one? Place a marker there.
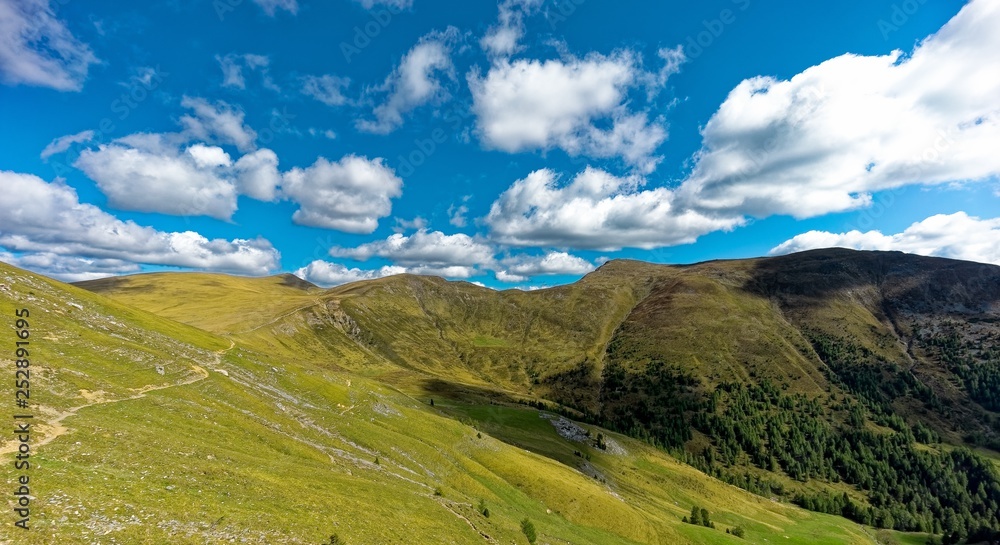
(660, 489)
(265, 449)
(213, 302)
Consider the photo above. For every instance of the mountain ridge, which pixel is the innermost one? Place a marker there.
(153, 431)
(866, 351)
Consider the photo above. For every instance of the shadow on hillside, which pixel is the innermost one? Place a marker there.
(916, 282)
(111, 283)
(465, 392)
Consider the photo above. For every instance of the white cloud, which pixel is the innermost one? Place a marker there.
(396, 4)
(426, 252)
(955, 236)
(257, 175)
(824, 140)
(218, 123)
(501, 40)
(416, 224)
(326, 274)
(168, 174)
(456, 215)
(415, 82)
(69, 268)
(39, 220)
(232, 70)
(326, 88)
(349, 195)
(672, 59)
(272, 6)
(540, 105)
(165, 173)
(821, 142)
(63, 143)
(327, 133)
(452, 256)
(596, 210)
(36, 48)
(209, 156)
(186, 183)
(521, 268)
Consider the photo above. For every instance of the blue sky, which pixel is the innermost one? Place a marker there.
(513, 144)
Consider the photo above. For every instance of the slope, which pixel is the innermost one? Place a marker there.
(150, 431)
(782, 375)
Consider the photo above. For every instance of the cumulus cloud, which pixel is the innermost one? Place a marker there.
(69, 268)
(415, 82)
(820, 142)
(326, 274)
(452, 256)
(540, 105)
(166, 173)
(42, 222)
(827, 138)
(218, 123)
(596, 210)
(326, 88)
(523, 267)
(257, 175)
(63, 143)
(270, 7)
(426, 252)
(348, 195)
(186, 183)
(36, 48)
(502, 39)
(232, 66)
(180, 174)
(955, 236)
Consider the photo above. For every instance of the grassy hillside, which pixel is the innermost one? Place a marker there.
(213, 302)
(841, 380)
(150, 431)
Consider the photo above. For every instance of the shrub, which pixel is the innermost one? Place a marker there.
(529, 530)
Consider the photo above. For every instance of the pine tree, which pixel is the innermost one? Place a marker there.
(695, 516)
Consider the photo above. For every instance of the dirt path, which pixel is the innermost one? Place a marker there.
(482, 534)
(54, 427)
(282, 317)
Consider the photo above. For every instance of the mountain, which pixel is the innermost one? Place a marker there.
(859, 384)
(148, 430)
(838, 379)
